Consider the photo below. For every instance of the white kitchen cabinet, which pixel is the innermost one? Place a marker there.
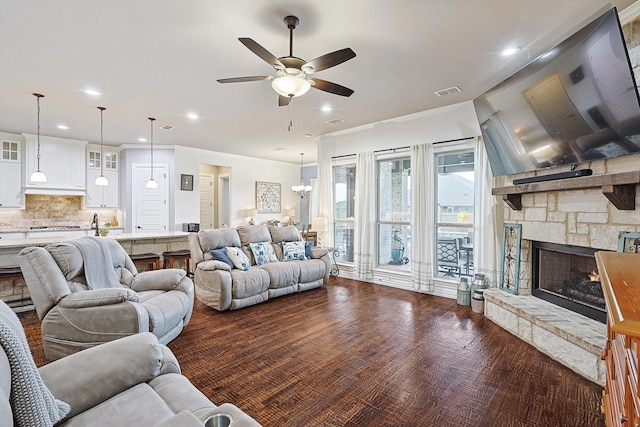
(11, 173)
(102, 196)
(61, 160)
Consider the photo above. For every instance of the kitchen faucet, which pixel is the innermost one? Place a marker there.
(95, 222)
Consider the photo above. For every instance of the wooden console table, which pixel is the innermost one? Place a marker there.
(619, 188)
(620, 278)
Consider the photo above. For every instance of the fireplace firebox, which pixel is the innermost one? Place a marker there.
(568, 276)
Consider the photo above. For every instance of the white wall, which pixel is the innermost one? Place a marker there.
(245, 171)
(440, 124)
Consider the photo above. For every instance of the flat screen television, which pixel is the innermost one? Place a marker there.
(575, 103)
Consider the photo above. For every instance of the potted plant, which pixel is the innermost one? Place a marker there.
(104, 231)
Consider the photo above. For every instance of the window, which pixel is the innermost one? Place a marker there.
(9, 150)
(454, 214)
(394, 213)
(344, 181)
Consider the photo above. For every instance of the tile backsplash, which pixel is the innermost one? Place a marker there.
(51, 211)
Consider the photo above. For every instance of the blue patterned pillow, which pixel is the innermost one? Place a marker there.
(263, 252)
(308, 246)
(293, 250)
(240, 260)
(221, 255)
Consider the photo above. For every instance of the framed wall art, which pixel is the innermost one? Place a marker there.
(510, 269)
(628, 242)
(267, 197)
(186, 182)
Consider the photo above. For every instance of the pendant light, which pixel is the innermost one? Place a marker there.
(152, 182)
(101, 180)
(38, 176)
(301, 190)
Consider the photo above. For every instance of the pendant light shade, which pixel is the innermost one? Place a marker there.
(38, 176)
(152, 182)
(101, 180)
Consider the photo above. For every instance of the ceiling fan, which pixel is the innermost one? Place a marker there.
(291, 72)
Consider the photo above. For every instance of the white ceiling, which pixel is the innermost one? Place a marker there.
(161, 58)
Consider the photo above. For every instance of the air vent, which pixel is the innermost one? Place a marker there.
(447, 91)
(167, 127)
(335, 121)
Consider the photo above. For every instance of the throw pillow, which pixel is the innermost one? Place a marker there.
(221, 255)
(308, 246)
(263, 252)
(240, 260)
(293, 250)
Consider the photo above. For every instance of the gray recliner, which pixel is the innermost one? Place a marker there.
(79, 313)
(133, 381)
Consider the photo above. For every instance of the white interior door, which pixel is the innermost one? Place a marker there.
(206, 201)
(150, 205)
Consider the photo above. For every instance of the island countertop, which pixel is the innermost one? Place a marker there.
(133, 243)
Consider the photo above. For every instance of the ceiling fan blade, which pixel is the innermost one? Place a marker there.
(283, 101)
(263, 53)
(329, 60)
(244, 79)
(331, 87)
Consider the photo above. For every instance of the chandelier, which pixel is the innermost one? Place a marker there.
(301, 190)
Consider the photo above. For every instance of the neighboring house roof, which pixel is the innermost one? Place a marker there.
(454, 190)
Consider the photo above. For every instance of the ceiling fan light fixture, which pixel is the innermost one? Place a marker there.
(290, 86)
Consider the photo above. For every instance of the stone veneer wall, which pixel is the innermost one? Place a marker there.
(42, 210)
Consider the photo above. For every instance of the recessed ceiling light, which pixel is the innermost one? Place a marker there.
(92, 92)
(278, 149)
(142, 139)
(308, 135)
(63, 127)
(327, 108)
(509, 51)
(167, 127)
(193, 116)
(335, 121)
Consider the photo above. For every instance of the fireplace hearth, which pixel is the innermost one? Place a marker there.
(567, 276)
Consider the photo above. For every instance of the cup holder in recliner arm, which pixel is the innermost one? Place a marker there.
(219, 420)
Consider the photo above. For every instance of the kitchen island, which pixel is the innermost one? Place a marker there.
(14, 291)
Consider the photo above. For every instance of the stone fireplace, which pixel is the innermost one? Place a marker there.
(565, 215)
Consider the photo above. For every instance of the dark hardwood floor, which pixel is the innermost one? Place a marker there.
(357, 354)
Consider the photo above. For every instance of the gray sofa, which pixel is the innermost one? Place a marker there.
(78, 313)
(224, 287)
(132, 381)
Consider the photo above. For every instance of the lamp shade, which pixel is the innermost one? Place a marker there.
(319, 224)
(252, 212)
(152, 183)
(289, 212)
(290, 86)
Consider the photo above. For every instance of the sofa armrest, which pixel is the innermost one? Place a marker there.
(240, 419)
(182, 419)
(97, 297)
(318, 252)
(90, 377)
(214, 265)
(165, 280)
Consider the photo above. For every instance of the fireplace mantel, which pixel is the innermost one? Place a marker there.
(619, 188)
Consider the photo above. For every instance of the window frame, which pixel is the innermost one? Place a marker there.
(349, 222)
(403, 154)
(464, 146)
